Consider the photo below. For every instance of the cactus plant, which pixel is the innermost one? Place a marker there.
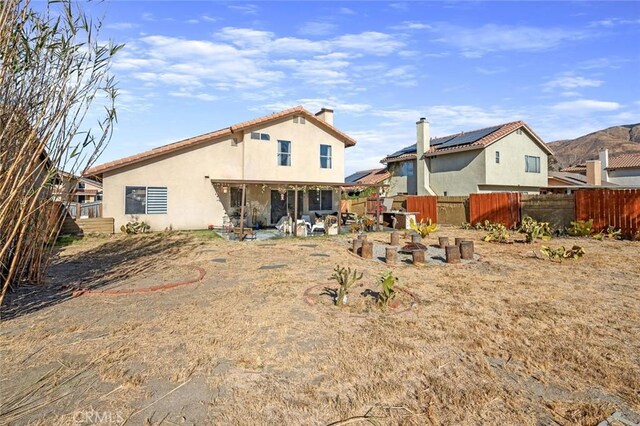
(346, 278)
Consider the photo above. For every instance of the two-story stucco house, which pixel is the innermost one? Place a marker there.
(201, 181)
(506, 157)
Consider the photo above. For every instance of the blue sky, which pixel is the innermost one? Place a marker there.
(566, 68)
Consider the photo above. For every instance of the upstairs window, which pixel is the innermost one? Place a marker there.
(325, 156)
(531, 164)
(497, 157)
(320, 199)
(260, 136)
(284, 153)
(299, 120)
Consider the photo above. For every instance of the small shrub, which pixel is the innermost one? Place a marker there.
(387, 292)
(534, 230)
(581, 228)
(466, 225)
(423, 228)
(346, 278)
(560, 253)
(135, 227)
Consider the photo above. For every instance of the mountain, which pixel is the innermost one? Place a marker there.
(618, 140)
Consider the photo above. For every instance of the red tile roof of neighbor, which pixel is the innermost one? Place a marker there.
(629, 161)
(375, 176)
(501, 131)
(218, 134)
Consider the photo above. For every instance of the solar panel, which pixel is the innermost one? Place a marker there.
(440, 141)
(405, 150)
(470, 137)
(354, 177)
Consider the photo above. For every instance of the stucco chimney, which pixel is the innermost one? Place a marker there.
(604, 163)
(423, 143)
(326, 115)
(594, 173)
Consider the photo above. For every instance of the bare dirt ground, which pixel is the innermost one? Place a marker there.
(511, 339)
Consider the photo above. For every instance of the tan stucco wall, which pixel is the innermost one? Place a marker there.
(511, 170)
(261, 156)
(457, 173)
(194, 203)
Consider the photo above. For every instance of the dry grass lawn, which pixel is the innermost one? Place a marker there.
(512, 339)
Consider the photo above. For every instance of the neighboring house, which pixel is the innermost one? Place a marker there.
(370, 176)
(76, 189)
(623, 170)
(199, 181)
(506, 157)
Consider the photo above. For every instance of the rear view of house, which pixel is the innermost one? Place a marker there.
(506, 157)
(198, 181)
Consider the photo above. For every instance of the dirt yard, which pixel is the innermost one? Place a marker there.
(510, 339)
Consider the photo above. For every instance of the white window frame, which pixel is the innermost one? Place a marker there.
(328, 157)
(299, 119)
(284, 153)
(536, 168)
(146, 199)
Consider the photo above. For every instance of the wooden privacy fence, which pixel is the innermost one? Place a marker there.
(498, 207)
(426, 207)
(619, 208)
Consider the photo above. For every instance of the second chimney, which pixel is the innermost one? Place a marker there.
(423, 143)
(594, 173)
(326, 115)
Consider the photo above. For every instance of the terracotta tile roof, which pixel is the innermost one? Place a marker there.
(629, 161)
(212, 136)
(375, 176)
(501, 131)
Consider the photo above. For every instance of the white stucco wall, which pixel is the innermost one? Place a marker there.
(626, 177)
(194, 203)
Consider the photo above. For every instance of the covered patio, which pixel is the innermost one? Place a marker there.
(253, 204)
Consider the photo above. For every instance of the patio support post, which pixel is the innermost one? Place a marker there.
(378, 225)
(295, 212)
(340, 211)
(244, 197)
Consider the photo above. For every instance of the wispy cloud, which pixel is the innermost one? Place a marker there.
(568, 81)
(583, 106)
(490, 38)
(182, 93)
(247, 9)
(317, 28)
(346, 11)
(411, 25)
(121, 26)
(613, 22)
(490, 71)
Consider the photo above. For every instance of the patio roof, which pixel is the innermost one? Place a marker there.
(294, 183)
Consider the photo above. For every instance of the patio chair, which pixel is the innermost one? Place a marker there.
(318, 226)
